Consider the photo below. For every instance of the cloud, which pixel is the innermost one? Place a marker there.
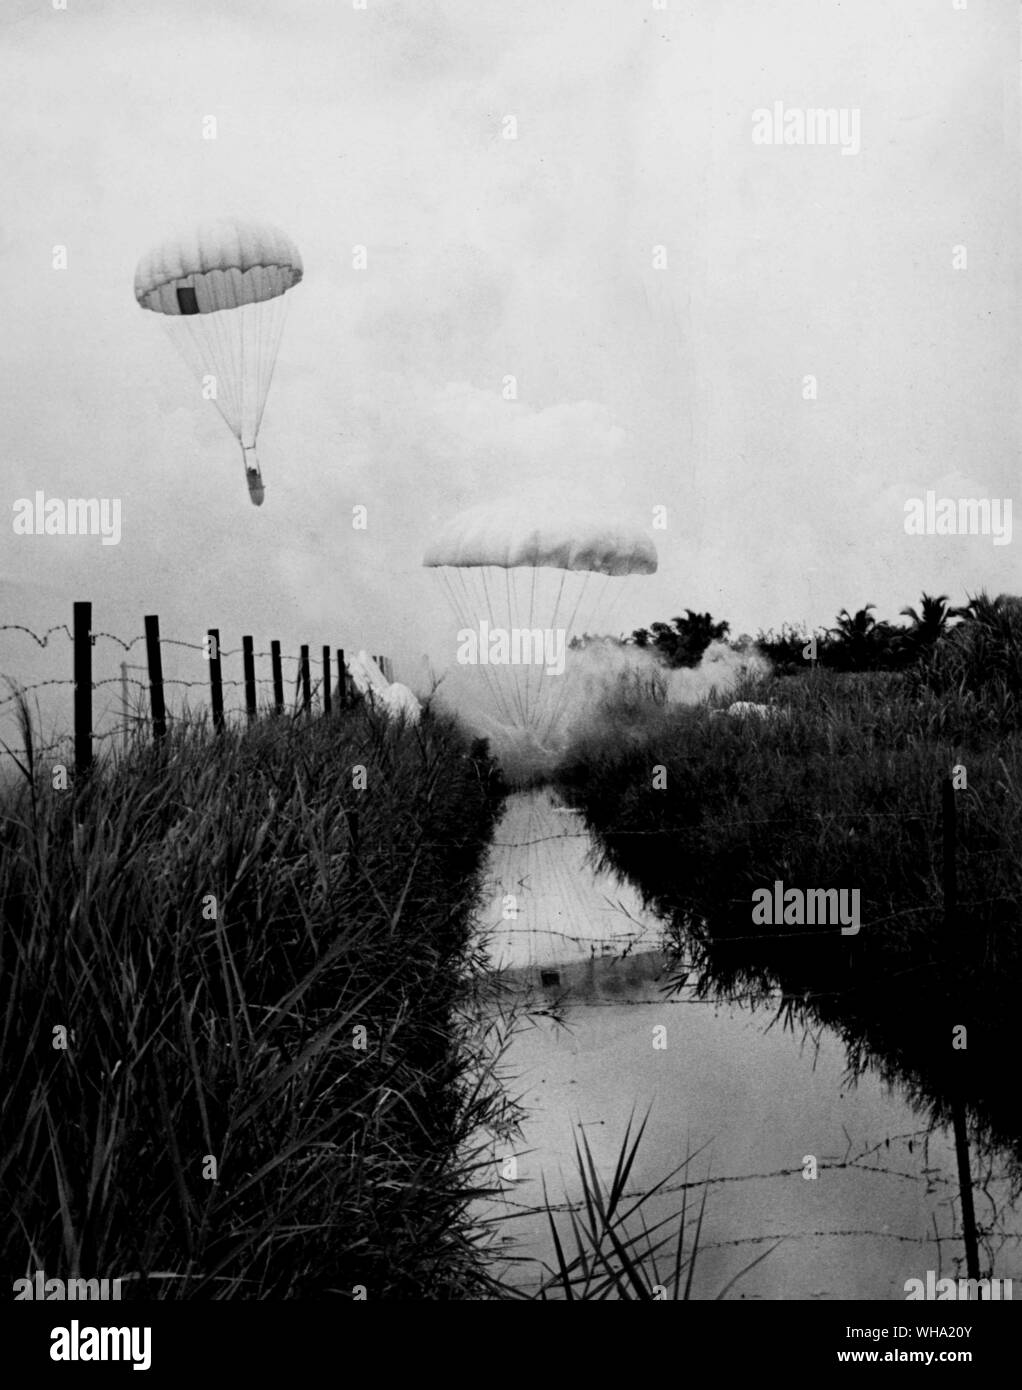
(491, 258)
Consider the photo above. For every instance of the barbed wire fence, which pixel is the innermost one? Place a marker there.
(307, 693)
(143, 687)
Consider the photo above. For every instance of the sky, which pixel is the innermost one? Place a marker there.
(645, 379)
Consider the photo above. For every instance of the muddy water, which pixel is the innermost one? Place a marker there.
(604, 1039)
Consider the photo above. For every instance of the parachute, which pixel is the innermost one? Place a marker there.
(509, 536)
(523, 585)
(220, 290)
(395, 699)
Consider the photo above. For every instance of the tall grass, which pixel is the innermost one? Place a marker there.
(271, 1086)
(844, 792)
(610, 1251)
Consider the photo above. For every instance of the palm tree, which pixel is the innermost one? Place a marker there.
(861, 643)
(931, 622)
(983, 654)
(855, 629)
(682, 641)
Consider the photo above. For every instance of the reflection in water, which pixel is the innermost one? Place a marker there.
(769, 1097)
(549, 905)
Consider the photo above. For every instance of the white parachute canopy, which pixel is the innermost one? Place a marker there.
(524, 582)
(220, 290)
(366, 675)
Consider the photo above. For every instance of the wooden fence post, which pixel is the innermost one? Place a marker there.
(248, 657)
(306, 680)
(124, 706)
(342, 688)
(83, 686)
(216, 678)
(955, 1072)
(278, 678)
(154, 657)
(949, 829)
(326, 680)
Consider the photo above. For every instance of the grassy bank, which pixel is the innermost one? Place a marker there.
(842, 792)
(269, 1084)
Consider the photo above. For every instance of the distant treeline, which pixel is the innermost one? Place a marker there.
(942, 646)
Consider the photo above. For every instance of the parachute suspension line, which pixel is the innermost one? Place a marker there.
(454, 598)
(547, 689)
(457, 599)
(505, 678)
(241, 340)
(578, 604)
(522, 697)
(516, 679)
(265, 317)
(608, 607)
(596, 607)
(529, 669)
(254, 319)
(558, 700)
(513, 693)
(465, 613)
(203, 345)
(224, 335)
(506, 709)
(190, 342)
(519, 684)
(252, 348)
(471, 622)
(246, 332)
(274, 321)
(230, 331)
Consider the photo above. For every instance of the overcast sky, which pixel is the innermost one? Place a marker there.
(637, 387)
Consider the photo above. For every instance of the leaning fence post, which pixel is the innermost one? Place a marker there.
(306, 680)
(326, 680)
(278, 678)
(155, 659)
(216, 678)
(124, 706)
(955, 1071)
(342, 689)
(248, 658)
(949, 835)
(83, 686)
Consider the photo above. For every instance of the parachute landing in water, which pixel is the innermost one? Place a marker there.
(220, 291)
